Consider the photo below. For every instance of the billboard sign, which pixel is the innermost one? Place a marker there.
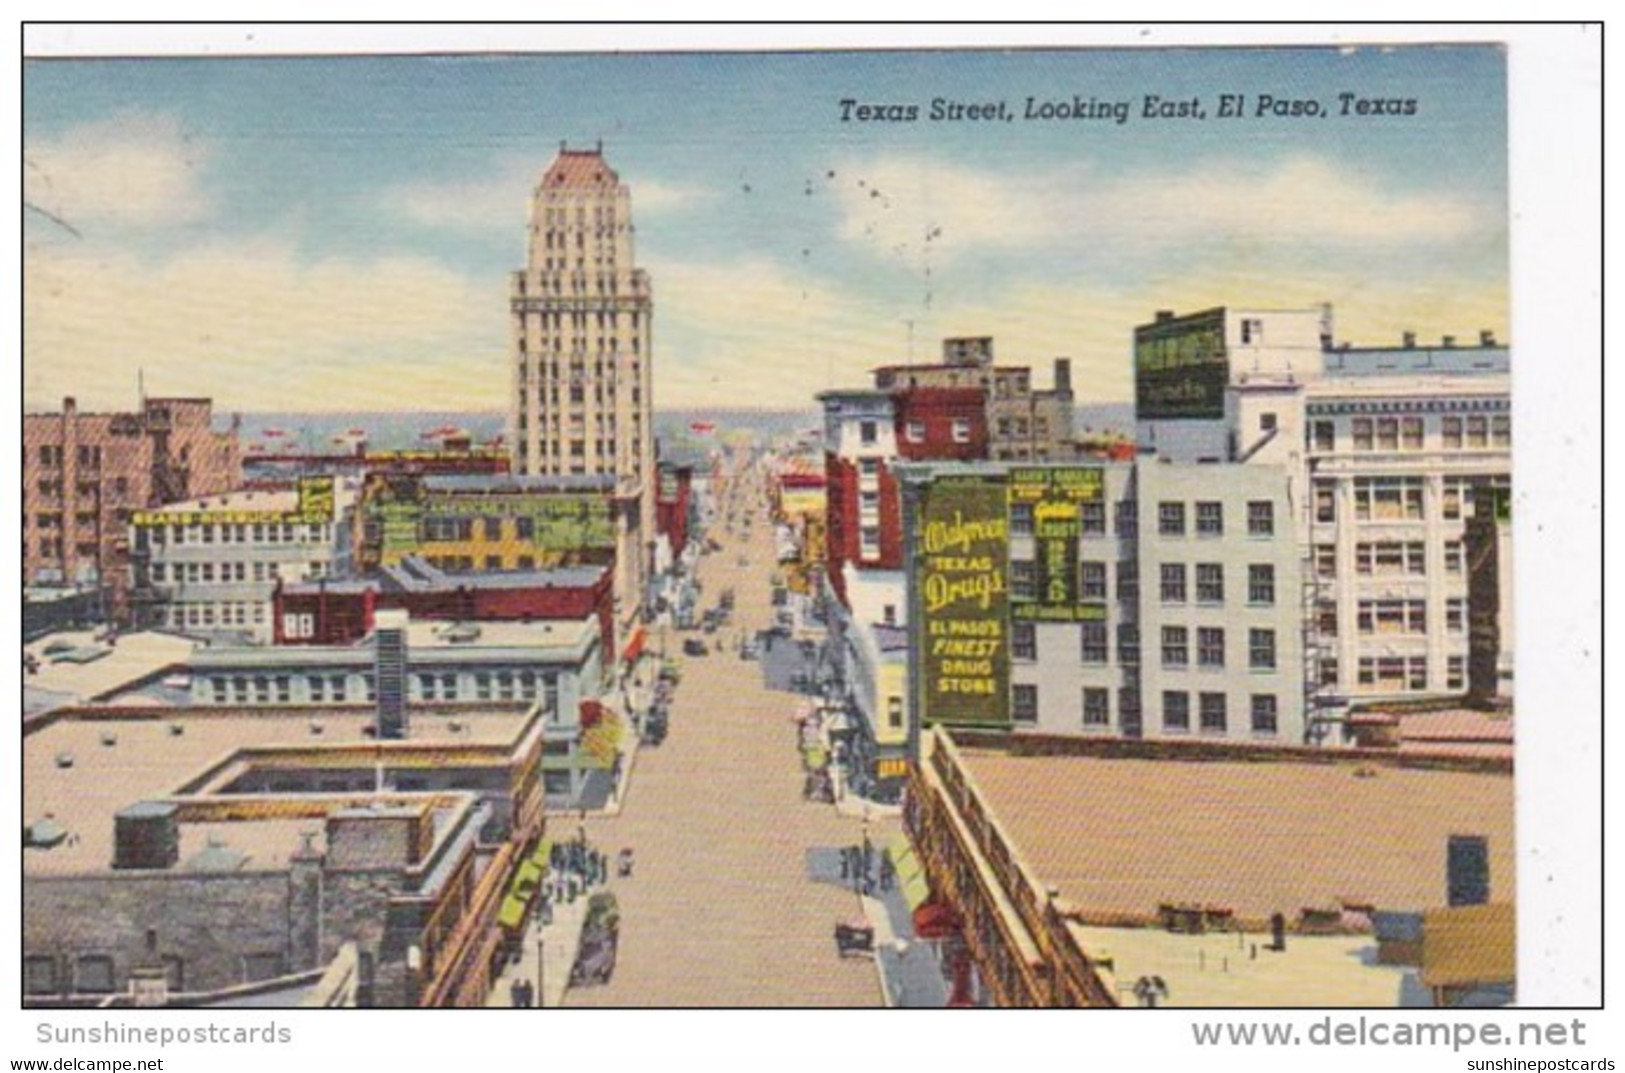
(1181, 367)
(1054, 497)
(961, 567)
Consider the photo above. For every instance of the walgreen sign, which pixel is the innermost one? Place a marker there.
(961, 565)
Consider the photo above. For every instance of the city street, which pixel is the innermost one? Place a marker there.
(720, 910)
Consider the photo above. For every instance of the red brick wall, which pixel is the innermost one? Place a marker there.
(936, 410)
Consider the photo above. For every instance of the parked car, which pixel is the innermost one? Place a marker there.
(695, 647)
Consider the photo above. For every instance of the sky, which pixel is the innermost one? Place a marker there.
(336, 233)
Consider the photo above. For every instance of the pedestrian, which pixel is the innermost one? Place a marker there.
(527, 994)
(516, 994)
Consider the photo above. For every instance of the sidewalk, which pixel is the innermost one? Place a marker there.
(560, 939)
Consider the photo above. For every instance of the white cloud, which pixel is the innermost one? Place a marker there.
(134, 169)
(252, 326)
(1302, 202)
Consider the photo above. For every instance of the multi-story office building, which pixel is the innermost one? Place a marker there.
(1384, 448)
(581, 402)
(86, 474)
(1147, 600)
(209, 567)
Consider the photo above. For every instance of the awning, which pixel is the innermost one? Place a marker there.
(910, 875)
(933, 920)
(634, 645)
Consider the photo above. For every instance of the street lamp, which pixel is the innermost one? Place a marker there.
(541, 971)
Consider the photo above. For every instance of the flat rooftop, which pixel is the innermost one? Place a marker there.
(83, 668)
(1234, 969)
(1124, 836)
(148, 760)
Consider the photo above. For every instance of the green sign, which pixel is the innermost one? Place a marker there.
(1053, 497)
(1181, 367)
(962, 560)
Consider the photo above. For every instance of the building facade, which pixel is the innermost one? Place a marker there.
(209, 567)
(86, 474)
(582, 398)
(1385, 448)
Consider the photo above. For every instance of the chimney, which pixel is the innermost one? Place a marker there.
(1063, 376)
(1486, 338)
(1164, 316)
(146, 835)
(1409, 339)
(1448, 341)
(389, 673)
(69, 406)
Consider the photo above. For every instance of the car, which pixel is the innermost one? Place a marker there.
(695, 647)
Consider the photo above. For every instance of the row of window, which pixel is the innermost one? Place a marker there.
(1388, 559)
(88, 455)
(1210, 648)
(209, 572)
(1171, 518)
(1213, 709)
(1384, 499)
(441, 529)
(914, 431)
(255, 533)
(199, 614)
(342, 688)
(1210, 584)
(51, 487)
(1456, 432)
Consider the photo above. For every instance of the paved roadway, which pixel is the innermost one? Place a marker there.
(720, 911)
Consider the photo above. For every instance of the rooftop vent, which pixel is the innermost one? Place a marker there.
(176, 730)
(316, 726)
(1408, 339)
(109, 739)
(64, 759)
(1448, 342)
(1486, 338)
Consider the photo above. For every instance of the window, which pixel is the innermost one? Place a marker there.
(1411, 430)
(1128, 644)
(1092, 581)
(1021, 519)
(426, 687)
(1325, 501)
(1388, 434)
(1394, 673)
(1477, 429)
(1388, 498)
(1452, 556)
(1361, 428)
(1128, 525)
(482, 685)
(1267, 422)
(961, 430)
(1252, 331)
(1265, 714)
(1261, 650)
(1323, 435)
(1171, 519)
(1210, 519)
(1092, 519)
(1023, 641)
(1261, 584)
(316, 689)
(492, 528)
(1450, 431)
(493, 562)
(1175, 646)
(1260, 518)
(868, 432)
(1210, 583)
(869, 468)
(1455, 614)
(525, 528)
(1023, 583)
(1215, 718)
(894, 712)
(1096, 707)
(1128, 580)
(1094, 647)
(1173, 583)
(1210, 646)
(915, 432)
(1392, 616)
(1176, 710)
(1024, 703)
(1455, 672)
(1328, 671)
(1501, 431)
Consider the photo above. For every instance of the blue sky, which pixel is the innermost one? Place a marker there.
(336, 233)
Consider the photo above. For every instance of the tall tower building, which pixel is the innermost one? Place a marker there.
(581, 402)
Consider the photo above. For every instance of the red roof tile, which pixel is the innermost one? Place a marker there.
(580, 167)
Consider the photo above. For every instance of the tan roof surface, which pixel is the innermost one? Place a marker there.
(1222, 969)
(1257, 837)
(133, 656)
(148, 761)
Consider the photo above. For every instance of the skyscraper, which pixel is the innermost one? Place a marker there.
(582, 399)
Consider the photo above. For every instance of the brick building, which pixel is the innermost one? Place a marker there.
(85, 474)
